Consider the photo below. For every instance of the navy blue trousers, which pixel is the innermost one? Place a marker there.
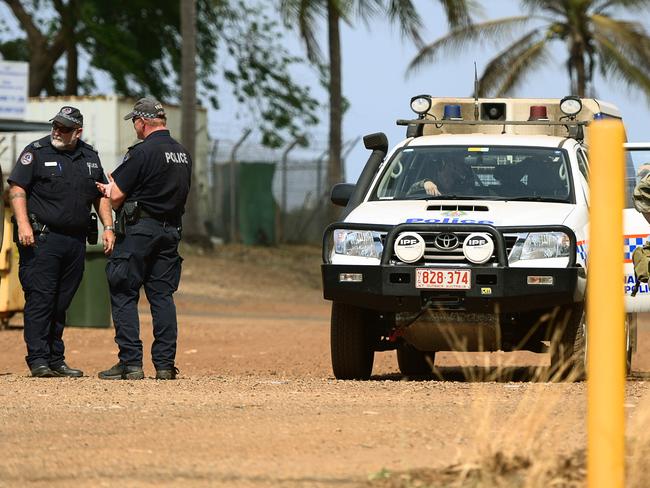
(50, 273)
(146, 256)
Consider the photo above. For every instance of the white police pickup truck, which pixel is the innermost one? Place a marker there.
(471, 235)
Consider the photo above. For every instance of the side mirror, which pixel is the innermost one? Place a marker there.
(341, 194)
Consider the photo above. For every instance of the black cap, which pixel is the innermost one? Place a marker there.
(69, 117)
(149, 108)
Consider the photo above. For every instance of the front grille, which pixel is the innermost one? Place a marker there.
(433, 255)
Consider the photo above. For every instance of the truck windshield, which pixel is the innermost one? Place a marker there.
(482, 172)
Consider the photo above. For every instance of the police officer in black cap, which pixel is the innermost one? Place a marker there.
(148, 191)
(52, 188)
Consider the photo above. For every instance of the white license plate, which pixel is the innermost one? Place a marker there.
(444, 279)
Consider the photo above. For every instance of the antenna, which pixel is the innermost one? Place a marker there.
(475, 93)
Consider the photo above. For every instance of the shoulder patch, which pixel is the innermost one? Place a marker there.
(27, 158)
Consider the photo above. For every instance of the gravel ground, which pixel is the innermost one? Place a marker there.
(256, 403)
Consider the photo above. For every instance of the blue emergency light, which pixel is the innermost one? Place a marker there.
(452, 112)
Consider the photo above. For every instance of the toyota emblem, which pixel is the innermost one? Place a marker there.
(446, 242)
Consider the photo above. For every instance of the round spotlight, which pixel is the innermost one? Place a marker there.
(478, 247)
(409, 247)
(421, 104)
(571, 106)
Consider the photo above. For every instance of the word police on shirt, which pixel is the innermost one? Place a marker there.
(176, 157)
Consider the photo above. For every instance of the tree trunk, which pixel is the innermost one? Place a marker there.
(40, 69)
(577, 64)
(71, 77)
(334, 168)
(68, 26)
(193, 227)
(42, 57)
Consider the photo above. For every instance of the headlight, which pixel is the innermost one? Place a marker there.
(358, 243)
(540, 245)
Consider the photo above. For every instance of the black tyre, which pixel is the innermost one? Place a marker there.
(569, 347)
(351, 343)
(630, 341)
(413, 362)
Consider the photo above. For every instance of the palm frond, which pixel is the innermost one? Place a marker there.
(461, 37)
(406, 16)
(366, 9)
(630, 38)
(457, 11)
(616, 65)
(506, 71)
(554, 6)
(305, 14)
(600, 6)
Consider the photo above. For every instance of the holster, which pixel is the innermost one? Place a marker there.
(128, 214)
(37, 227)
(92, 232)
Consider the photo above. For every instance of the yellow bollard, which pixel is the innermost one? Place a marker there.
(605, 308)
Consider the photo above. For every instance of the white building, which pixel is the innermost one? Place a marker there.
(105, 129)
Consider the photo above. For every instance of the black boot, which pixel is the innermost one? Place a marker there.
(122, 372)
(42, 371)
(167, 374)
(65, 370)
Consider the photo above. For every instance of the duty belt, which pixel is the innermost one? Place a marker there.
(165, 219)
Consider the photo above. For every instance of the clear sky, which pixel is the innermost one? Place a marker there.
(374, 63)
(374, 82)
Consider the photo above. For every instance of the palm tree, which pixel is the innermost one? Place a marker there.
(593, 39)
(305, 14)
(194, 228)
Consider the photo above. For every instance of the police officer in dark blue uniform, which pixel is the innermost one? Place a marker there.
(52, 188)
(148, 190)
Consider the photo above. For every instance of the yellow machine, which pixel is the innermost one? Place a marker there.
(11, 293)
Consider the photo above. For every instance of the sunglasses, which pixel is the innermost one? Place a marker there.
(62, 128)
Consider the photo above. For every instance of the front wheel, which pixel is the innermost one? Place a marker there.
(569, 346)
(413, 362)
(630, 341)
(351, 345)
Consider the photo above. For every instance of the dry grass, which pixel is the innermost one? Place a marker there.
(528, 469)
(262, 271)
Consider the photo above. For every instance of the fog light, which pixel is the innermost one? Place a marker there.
(540, 280)
(350, 277)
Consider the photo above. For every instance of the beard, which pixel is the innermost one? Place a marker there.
(62, 146)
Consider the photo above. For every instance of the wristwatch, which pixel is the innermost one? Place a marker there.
(109, 227)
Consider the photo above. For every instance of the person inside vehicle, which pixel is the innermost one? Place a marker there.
(451, 177)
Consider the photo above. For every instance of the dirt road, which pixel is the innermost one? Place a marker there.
(256, 404)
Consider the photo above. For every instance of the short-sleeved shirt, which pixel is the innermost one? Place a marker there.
(157, 174)
(60, 185)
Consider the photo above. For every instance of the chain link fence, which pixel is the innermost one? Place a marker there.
(256, 195)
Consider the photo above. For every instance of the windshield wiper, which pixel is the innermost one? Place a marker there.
(536, 199)
(446, 197)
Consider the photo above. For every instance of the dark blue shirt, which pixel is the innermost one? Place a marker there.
(157, 174)
(60, 185)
